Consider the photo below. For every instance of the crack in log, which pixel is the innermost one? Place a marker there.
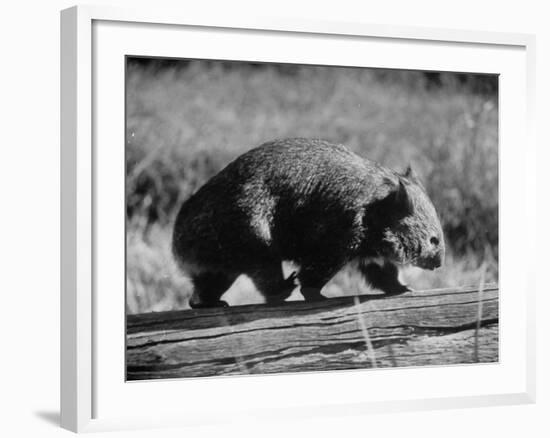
(337, 347)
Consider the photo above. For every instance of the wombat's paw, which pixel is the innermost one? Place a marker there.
(318, 297)
(286, 288)
(399, 289)
(312, 294)
(291, 280)
(208, 305)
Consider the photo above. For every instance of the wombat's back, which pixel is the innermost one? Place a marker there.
(263, 202)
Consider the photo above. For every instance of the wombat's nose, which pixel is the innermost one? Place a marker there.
(439, 258)
(433, 262)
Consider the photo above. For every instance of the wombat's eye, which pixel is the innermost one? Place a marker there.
(434, 241)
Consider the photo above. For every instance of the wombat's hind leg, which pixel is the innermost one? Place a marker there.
(384, 277)
(272, 284)
(208, 288)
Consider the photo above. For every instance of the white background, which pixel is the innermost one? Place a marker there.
(29, 218)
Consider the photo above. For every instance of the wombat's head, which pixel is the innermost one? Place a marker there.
(410, 228)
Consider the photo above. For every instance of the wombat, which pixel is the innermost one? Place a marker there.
(310, 202)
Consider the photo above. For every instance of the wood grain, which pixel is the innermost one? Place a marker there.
(434, 327)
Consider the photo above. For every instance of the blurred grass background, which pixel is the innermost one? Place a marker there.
(187, 119)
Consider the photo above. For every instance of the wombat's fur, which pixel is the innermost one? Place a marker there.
(307, 201)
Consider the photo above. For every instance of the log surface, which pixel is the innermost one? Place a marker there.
(434, 327)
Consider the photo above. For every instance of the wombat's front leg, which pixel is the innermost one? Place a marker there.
(271, 283)
(313, 276)
(208, 288)
(384, 277)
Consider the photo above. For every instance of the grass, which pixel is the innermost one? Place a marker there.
(185, 121)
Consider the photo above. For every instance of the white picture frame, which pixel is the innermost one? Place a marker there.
(90, 360)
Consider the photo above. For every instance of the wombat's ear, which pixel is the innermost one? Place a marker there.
(402, 203)
(393, 206)
(411, 175)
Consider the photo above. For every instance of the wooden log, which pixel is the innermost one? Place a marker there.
(434, 327)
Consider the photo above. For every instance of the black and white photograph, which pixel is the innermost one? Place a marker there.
(287, 218)
(278, 219)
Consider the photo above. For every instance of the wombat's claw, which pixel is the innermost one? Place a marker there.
(291, 280)
(287, 286)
